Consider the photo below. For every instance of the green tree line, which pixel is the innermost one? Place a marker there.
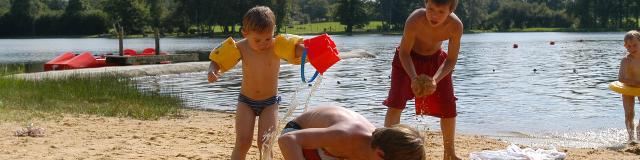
(206, 17)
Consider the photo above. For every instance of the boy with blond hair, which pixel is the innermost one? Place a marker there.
(629, 74)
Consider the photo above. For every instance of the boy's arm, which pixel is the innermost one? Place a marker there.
(452, 57)
(621, 71)
(299, 49)
(223, 58)
(624, 75)
(213, 73)
(406, 45)
(292, 143)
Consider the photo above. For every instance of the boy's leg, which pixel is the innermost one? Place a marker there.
(267, 126)
(392, 117)
(638, 127)
(629, 113)
(399, 92)
(245, 121)
(448, 127)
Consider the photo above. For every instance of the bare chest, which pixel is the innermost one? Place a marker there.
(260, 62)
(432, 36)
(634, 68)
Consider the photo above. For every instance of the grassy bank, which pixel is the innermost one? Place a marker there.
(334, 28)
(541, 29)
(23, 100)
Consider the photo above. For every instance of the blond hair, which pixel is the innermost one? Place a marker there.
(399, 142)
(632, 34)
(259, 19)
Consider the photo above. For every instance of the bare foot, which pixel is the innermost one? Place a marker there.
(638, 132)
(454, 157)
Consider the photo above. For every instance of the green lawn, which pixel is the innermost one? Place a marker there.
(539, 29)
(329, 27)
(310, 28)
(24, 100)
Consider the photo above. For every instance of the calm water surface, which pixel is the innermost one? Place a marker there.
(565, 102)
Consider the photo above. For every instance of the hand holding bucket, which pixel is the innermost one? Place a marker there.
(322, 54)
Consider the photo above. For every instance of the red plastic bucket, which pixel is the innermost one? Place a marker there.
(322, 52)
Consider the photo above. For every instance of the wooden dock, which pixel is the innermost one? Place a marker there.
(152, 59)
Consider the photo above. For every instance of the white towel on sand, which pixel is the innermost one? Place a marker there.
(514, 152)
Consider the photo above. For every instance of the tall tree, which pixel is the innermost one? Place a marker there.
(316, 9)
(472, 13)
(23, 15)
(352, 14)
(156, 12)
(179, 18)
(55, 4)
(280, 8)
(394, 13)
(75, 7)
(130, 14)
(73, 16)
(197, 12)
(634, 12)
(583, 9)
(4, 8)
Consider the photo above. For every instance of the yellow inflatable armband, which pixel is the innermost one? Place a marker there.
(226, 55)
(285, 47)
(619, 87)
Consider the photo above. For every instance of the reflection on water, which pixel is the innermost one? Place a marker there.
(564, 102)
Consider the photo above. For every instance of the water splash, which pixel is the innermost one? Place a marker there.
(266, 153)
(311, 93)
(270, 137)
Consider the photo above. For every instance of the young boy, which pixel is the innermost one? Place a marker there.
(260, 69)
(629, 74)
(420, 52)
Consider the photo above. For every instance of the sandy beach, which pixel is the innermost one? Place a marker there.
(196, 135)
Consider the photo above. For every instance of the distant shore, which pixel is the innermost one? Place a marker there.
(237, 34)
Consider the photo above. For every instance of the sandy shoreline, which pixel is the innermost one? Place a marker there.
(197, 135)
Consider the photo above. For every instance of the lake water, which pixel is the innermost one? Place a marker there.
(566, 102)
